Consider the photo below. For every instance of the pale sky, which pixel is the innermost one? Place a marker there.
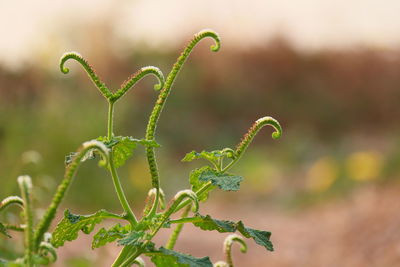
(28, 27)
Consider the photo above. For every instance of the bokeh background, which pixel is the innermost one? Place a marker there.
(329, 71)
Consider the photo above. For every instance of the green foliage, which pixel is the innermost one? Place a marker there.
(132, 239)
(213, 156)
(123, 147)
(226, 182)
(260, 237)
(136, 235)
(103, 236)
(68, 228)
(171, 258)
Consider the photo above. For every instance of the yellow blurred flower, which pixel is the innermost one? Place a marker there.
(322, 174)
(364, 165)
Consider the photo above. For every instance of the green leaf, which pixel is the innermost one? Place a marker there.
(212, 156)
(224, 181)
(260, 237)
(123, 147)
(197, 183)
(104, 236)
(170, 258)
(209, 224)
(68, 228)
(132, 239)
(3, 230)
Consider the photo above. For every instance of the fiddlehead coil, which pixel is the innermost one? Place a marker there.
(254, 129)
(11, 200)
(70, 172)
(137, 77)
(89, 70)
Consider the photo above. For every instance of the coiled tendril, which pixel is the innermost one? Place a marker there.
(89, 70)
(86, 147)
(162, 97)
(228, 250)
(112, 97)
(254, 129)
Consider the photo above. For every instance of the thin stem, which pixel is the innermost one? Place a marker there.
(11, 200)
(199, 192)
(18, 228)
(120, 192)
(70, 172)
(89, 70)
(110, 120)
(175, 234)
(158, 107)
(123, 255)
(25, 185)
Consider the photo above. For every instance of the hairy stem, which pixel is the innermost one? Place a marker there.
(251, 133)
(158, 107)
(110, 120)
(12, 200)
(25, 185)
(89, 70)
(128, 84)
(70, 172)
(175, 234)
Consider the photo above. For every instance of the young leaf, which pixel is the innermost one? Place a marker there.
(123, 147)
(212, 156)
(224, 181)
(3, 230)
(104, 236)
(197, 183)
(170, 258)
(132, 239)
(260, 237)
(68, 228)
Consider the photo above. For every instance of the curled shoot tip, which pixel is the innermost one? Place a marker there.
(25, 181)
(11, 200)
(234, 238)
(183, 194)
(228, 247)
(208, 33)
(272, 122)
(254, 129)
(153, 193)
(139, 261)
(89, 70)
(100, 147)
(137, 76)
(48, 251)
(69, 55)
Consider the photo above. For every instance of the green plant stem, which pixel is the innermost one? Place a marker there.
(25, 185)
(70, 172)
(110, 120)
(161, 100)
(175, 234)
(12, 200)
(123, 255)
(120, 192)
(199, 192)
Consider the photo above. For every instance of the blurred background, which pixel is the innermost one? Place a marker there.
(329, 71)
